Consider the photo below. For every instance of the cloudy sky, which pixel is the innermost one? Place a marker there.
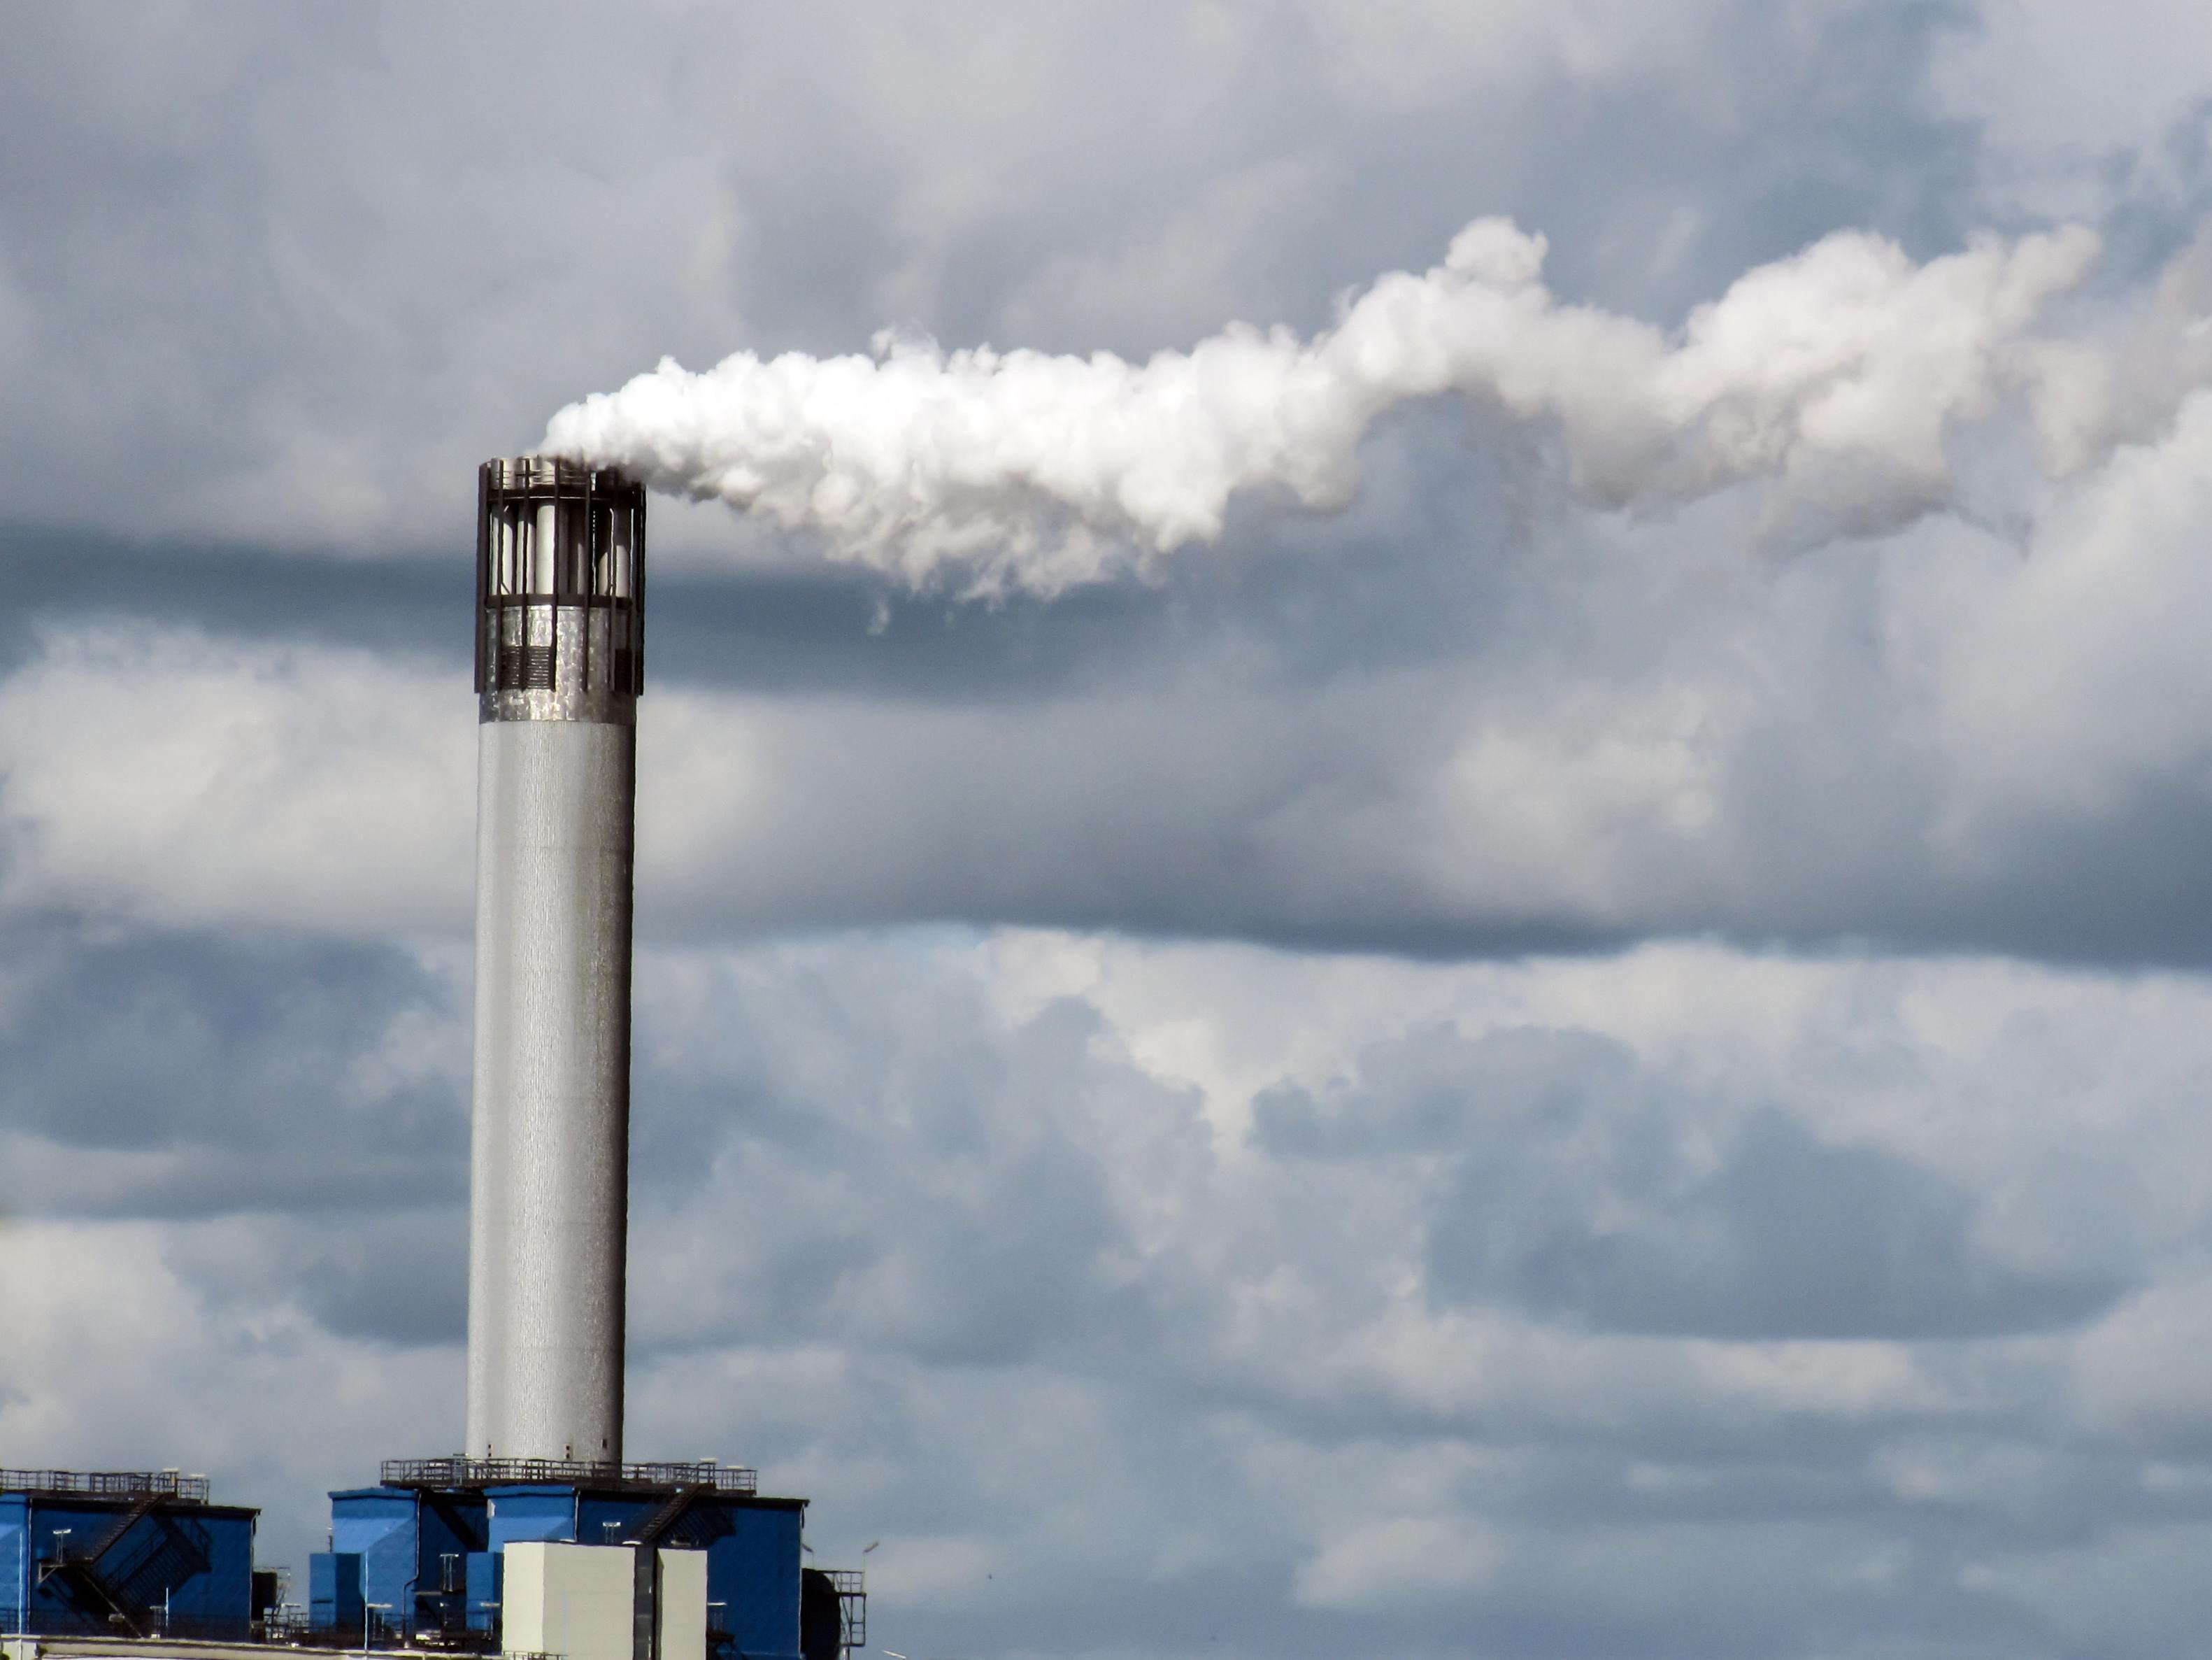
(1515, 1058)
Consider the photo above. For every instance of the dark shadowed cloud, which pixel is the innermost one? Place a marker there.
(1575, 1187)
(1471, 1073)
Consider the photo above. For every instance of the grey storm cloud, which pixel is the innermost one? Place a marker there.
(941, 1260)
(1576, 1186)
(261, 325)
(1469, 1071)
(950, 1194)
(1453, 738)
(229, 1074)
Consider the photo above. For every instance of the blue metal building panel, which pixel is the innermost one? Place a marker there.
(485, 1577)
(451, 1524)
(529, 1512)
(377, 1524)
(608, 1518)
(753, 1572)
(334, 1596)
(449, 1530)
(15, 1561)
(183, 1569)
(218, 1599)
(414, 1547)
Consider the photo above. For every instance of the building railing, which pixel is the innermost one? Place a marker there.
(285, 1622)
(107, 1484)
(457, 1472)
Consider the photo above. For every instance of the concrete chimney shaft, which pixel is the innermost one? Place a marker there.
(560, 662)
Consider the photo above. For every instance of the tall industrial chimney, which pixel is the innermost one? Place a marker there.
(560, 662)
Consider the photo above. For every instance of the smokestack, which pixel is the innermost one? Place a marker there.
(560, 662)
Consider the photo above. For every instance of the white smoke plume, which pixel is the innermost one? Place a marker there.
(1838, 376)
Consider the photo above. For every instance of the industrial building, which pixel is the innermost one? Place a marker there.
(127, 1553)
(536, 1537)
(421, 1555)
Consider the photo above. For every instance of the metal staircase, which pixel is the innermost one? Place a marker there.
(664, 1516)
(79, 1569)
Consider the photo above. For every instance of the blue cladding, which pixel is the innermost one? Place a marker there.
(530, 1513)
(452, 1527)
(334, 1598)
(379, 1528)
(413, 1548)
(484, 1579)
(752, 1546)
(755, 1574)
(15, 1560)
(71, 1563)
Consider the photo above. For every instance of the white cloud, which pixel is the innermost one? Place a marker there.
(1387, 1562)
(1621, 732)
(172, 778)
(253, 1392)
(968, 1240)
(1421, 50)
(2077, 684)
(983, 1237)
(2059, 81)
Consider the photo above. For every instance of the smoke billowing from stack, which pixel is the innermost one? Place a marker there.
(1838, 378)
(560, 662)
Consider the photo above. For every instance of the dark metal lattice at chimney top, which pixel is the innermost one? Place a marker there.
(560, 591)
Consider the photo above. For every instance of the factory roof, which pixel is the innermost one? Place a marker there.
(733, 1481)
(110, 1486)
